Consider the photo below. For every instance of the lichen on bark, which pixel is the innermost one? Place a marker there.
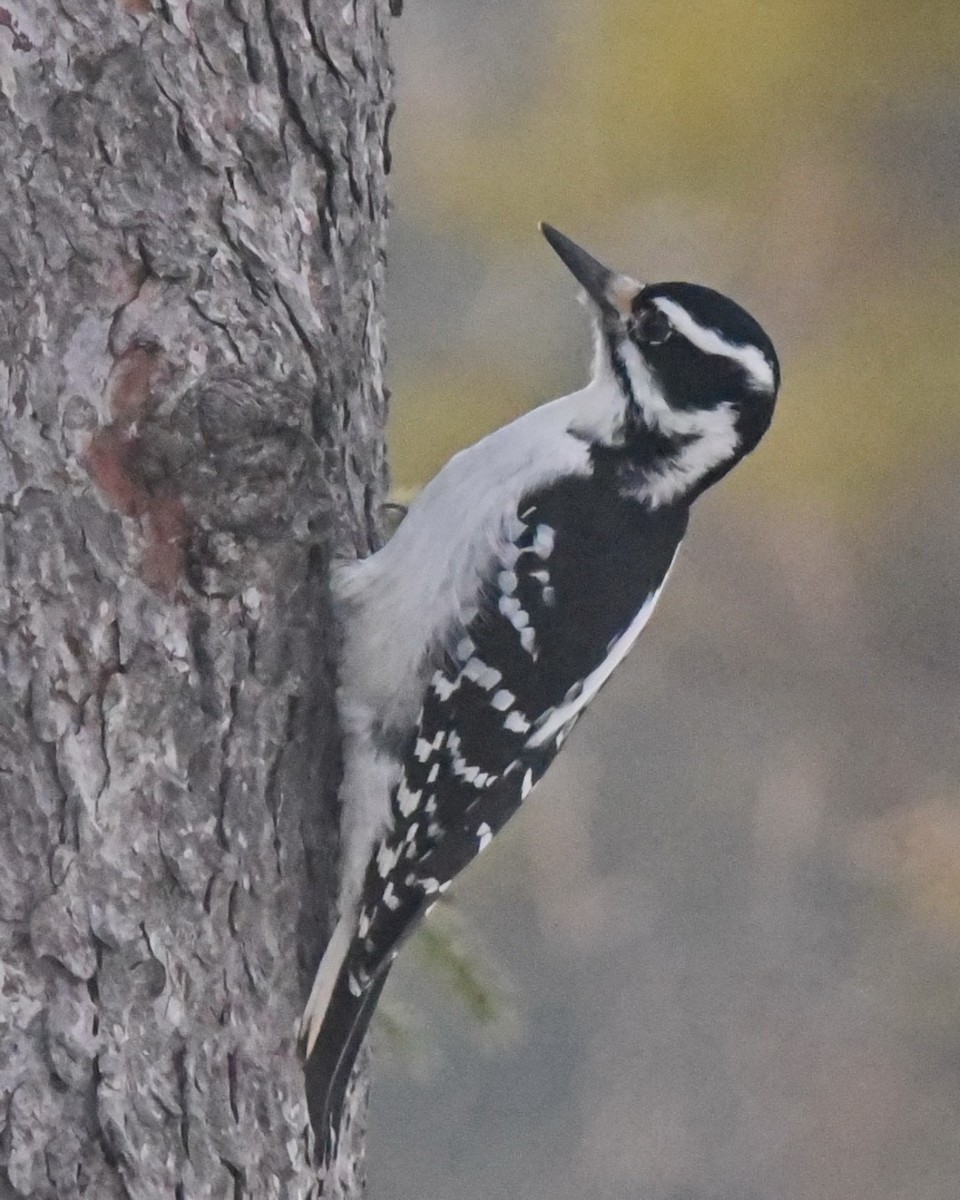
(191, 417)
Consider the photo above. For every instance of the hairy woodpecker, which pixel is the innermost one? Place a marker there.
(519, 580)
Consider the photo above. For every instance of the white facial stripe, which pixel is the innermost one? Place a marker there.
(653, 404)
(713, 434)
(711, 342)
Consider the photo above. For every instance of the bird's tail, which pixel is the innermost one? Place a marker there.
(333, 1054)
(335, 1021)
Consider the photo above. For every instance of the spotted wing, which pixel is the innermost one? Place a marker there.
(567, 595)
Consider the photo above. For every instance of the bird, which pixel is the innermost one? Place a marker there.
(473, 641)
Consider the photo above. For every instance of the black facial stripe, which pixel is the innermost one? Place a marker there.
(714, 311)
(690, 378)
(621, 372)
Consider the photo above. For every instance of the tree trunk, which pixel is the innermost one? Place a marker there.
(191, 411)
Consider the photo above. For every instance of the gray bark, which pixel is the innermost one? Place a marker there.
(191, 413)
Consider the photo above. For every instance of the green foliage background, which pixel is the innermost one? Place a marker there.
(732, 915)
(796, 154)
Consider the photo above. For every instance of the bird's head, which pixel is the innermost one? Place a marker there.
(689, 362)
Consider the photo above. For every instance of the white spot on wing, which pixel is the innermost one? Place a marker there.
(543, 541)
(527, 785)
(516, 722)
(407, 801)
(386, 860)
(482, 675)
(443, 686)
(507, 582)
(484, 836)
(503, 700)
(458, 765)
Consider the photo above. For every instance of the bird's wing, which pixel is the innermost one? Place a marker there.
(565, 597)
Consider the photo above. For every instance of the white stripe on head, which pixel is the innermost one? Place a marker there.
(709, 341)
(656, 409)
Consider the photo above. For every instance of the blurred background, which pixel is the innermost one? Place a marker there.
(717, 956)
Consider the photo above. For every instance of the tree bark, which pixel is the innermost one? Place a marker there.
(191, 415)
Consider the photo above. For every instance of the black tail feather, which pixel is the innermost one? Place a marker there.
(330, 1066)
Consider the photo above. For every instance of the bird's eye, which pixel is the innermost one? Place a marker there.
(651, 326)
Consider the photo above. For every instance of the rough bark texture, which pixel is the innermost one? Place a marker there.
(191, 407)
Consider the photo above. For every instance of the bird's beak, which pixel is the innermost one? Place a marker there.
(608, 290)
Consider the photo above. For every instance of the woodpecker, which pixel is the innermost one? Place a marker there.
(524, 572)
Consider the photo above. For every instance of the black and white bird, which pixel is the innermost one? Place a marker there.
(518, 582)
